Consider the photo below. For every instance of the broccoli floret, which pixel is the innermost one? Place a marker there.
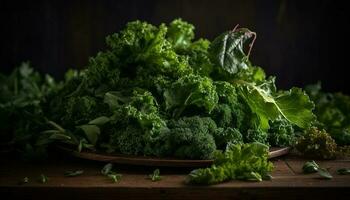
(128, 141)
(191, 137)
(281, 133)
(229, 112)
(81, 109)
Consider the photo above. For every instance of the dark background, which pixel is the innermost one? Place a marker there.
(300, 42)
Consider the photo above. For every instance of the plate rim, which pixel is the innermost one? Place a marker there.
(152, 161)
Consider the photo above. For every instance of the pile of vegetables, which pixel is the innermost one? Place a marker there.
(156, 91)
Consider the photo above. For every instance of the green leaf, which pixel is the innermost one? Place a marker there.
(58, 136)
(74, 173)
(227, 50)
(115, 177)
(107, 169)
(296, 107)
(324, 173)
(155, 176)
(91, 131)
(293, 105)
(23, 181)
(58, 127)
(343, 171)
(310, 167)
(100, 121)
(43, 179)
(180, 33)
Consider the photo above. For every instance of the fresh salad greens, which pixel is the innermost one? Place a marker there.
(156, 91)
(240, 162)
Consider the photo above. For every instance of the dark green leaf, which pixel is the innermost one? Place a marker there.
(107, 169)
(71, 173)
(310, 167)
(100, 121)
(43, 179)
(343, 171)
(227, 50)
(24, 181)
(91, 131)
(115, 177)
(155, 176)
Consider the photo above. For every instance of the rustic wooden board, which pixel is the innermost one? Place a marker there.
(149, 161)
(288, 182)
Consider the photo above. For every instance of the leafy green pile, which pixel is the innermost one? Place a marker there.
(155, 91)
(238, 162)
(333, 113)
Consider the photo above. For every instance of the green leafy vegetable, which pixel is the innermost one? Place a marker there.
(317, 144)
(310, 167)
(313, 167)
(324, 173)
(74, 173)
(115, 177)
(107, 169)
(332, 111)
(23, 181)
(43, 179)
(242, 162)
(227, 50)
(156, 91)
(343, 171)
(155, 176)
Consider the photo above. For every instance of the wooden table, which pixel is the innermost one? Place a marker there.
(288, 182)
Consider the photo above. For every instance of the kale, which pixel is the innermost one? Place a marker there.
(316, 143)
(241, 162)
(332, 111)
(281, 133)
(157, 91)
(192, 137)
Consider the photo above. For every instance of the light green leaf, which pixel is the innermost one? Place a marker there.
(324, 173)
(91, 131)
(296, 107)
(293, 105)
(100, 121)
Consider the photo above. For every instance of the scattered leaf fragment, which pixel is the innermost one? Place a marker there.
(310, 167)
(155, 176)
(73, 173)
(43, 178)
(343, 171)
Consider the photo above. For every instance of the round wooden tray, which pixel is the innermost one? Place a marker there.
(151, 161)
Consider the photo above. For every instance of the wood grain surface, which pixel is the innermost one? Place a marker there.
(288, 182)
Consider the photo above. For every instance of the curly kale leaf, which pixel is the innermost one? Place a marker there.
(332, 111)
(180, 34)
(242, 162)
(227, 136)
(281, 133)
(316, 143)
(191, 90)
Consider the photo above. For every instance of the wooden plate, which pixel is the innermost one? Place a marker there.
(150, 161)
